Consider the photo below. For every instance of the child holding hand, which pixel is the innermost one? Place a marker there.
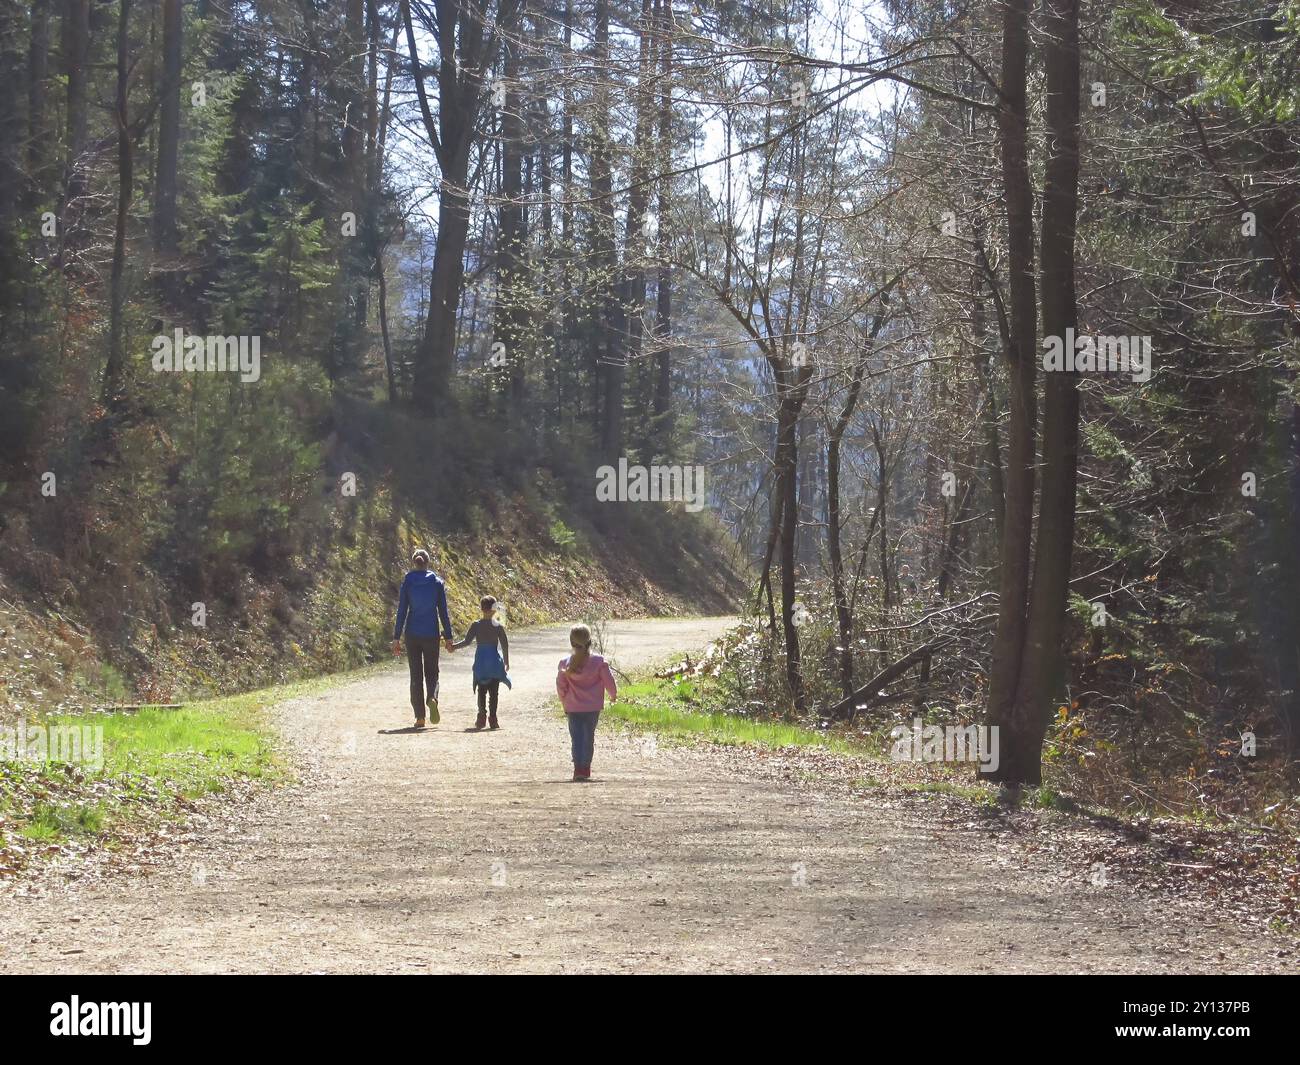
(491, 667)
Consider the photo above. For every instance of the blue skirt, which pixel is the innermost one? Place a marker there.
(489, 665)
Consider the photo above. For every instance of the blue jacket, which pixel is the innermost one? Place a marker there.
(422, 601)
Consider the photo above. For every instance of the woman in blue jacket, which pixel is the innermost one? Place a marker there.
(420, 606)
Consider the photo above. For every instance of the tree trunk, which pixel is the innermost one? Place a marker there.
(376, 178)
(1042, 660)
(169, 125)
(465, 51)
(38, 133)
(834, 521)
(632, 288)
(882, 515)
(843, 617)
(11, 124)
(512, 280)
(435, 356)
(613, 366)
(1013, 575)
(787, 470)
(76, 58)
(115, 370)
(662, 408)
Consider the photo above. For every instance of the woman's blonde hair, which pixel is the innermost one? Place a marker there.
(580, 641)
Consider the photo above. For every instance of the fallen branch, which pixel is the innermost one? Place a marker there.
(869, 693)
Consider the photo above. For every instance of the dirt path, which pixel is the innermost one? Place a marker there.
(451, 851)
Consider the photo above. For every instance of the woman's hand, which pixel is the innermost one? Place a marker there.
(397, 647)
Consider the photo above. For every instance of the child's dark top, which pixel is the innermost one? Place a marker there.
(487, 631)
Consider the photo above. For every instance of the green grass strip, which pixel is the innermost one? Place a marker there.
(678, 708)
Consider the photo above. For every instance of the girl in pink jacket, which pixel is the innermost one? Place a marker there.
(582, 681)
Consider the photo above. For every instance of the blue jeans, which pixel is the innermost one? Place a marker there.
(582, 730)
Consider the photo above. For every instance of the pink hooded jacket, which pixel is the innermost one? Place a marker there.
(584, 693)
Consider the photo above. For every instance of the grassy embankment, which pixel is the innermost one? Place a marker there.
(157, 764)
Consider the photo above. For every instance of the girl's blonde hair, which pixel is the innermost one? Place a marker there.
(580, 641)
